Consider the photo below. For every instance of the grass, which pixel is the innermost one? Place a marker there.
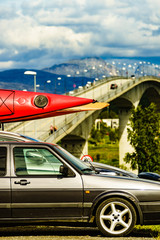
(71, 233)
(150, 230)
(105, 152)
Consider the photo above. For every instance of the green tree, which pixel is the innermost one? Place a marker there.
(144, 136)
(108, 113)
(97, 134)
(103, 129)
(113, 134)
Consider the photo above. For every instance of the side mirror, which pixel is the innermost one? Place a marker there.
(64, 170)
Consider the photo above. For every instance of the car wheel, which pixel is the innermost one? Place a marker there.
(115, 217)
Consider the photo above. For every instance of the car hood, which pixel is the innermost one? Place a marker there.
(100, 166)
(118, 182)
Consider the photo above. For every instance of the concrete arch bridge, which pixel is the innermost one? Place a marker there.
(73, 129)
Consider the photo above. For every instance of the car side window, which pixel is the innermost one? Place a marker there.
(3, 159)
(36, 161)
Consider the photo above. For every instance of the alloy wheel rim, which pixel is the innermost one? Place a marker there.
(115, 218)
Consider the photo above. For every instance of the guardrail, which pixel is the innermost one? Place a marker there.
(70, 120)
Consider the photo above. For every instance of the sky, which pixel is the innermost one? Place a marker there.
(38, 33)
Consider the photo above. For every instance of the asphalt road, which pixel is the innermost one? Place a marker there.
(62, 233)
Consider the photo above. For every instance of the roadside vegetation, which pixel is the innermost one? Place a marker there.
(103, 141)
(144, 136)
(148, 231)
(104, 151)
(40, 232)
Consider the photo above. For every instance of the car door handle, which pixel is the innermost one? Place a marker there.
(22, 182)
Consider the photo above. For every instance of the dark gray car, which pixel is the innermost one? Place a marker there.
(43, 182)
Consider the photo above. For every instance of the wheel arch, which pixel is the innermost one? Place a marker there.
(123, 195)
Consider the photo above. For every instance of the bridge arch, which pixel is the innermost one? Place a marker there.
(145, 90)
(142, 94)
(76, 141)
(150, 95)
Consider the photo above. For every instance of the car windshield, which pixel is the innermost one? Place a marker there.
(73, 160)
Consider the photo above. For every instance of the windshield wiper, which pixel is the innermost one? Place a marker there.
(92, 167)
(87, 169)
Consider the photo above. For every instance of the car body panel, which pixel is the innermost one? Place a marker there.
(46, 195)
(5, 199)
(131, 189)
(130, 185)
(5, 188)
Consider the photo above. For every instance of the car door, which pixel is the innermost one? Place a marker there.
(5, 190)
(39, 190)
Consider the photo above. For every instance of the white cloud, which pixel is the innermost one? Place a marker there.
(24, 33)
(6, 65)
(33, 30)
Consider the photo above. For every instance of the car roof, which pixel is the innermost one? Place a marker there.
(23, 143)
(16, 137)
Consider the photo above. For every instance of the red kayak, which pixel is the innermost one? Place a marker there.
(20, 105)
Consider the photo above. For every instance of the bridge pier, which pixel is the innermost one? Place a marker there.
(75, 145)
(77, 141)
(124, 144)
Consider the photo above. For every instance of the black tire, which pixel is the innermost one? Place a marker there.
(116, 217)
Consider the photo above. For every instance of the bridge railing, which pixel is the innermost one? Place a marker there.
(70, 120)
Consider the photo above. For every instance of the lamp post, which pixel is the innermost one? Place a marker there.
(55, 88)
(45, 84)
(76, 75)
(123, 71)
(59, 78)
(148, 68)
(83, 78)
(34, 74)
(129, 67)
(93, 68)
(68, 76)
